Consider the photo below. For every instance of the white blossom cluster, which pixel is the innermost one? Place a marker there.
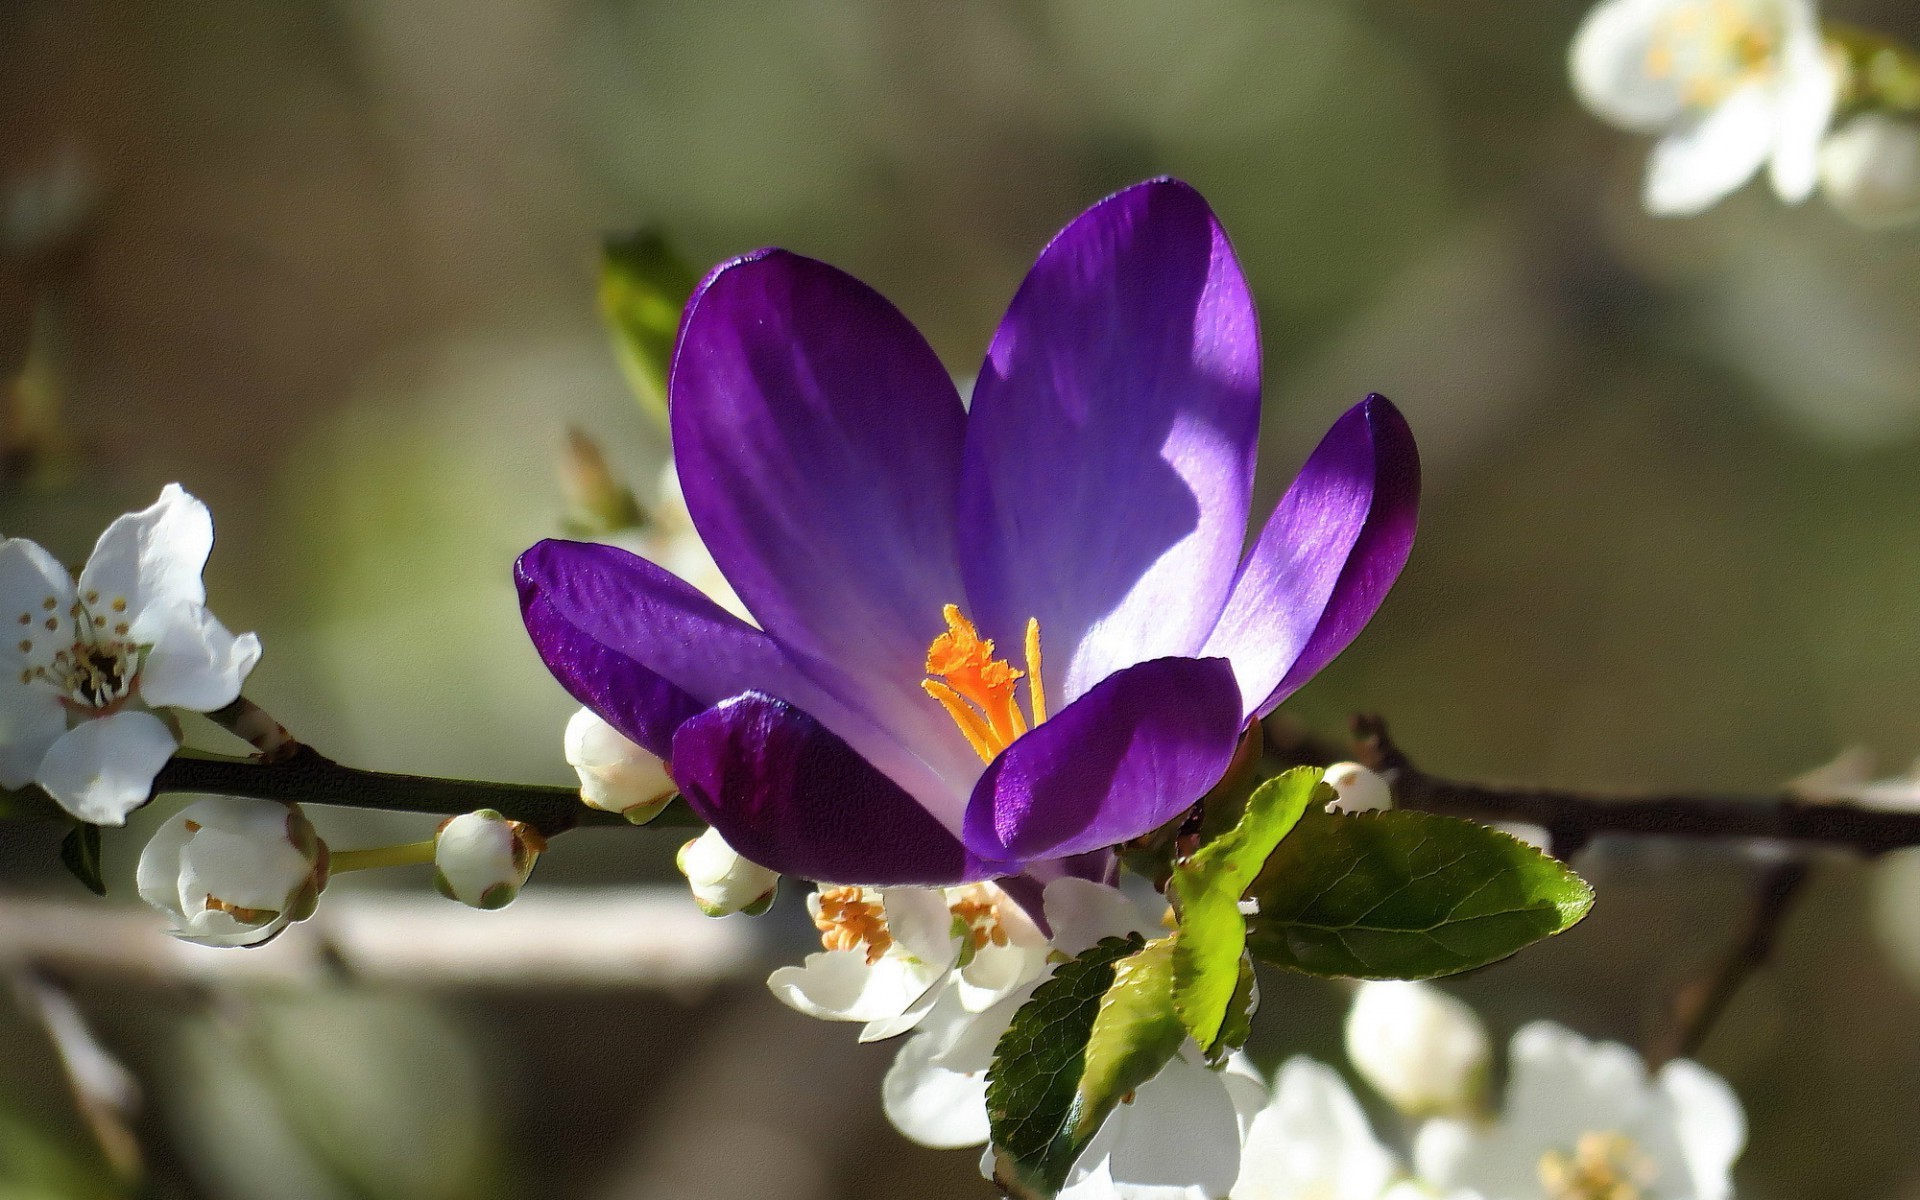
(1729, 87)
(1581, 1120)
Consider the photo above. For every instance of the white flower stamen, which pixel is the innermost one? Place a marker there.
(1602, 1166)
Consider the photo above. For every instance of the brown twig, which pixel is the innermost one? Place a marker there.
(1698, 1006)
(1574, 817)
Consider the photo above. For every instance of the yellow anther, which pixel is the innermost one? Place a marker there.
(847, 920)
(978, 909)
(1603, 1166)
(981, 692)
(1036, 690)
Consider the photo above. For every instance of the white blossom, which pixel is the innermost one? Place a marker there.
(1312, 1141)
(1177, 1139)
(1422, 1049)
(233, 872)
(615, 774)
(93, 666)
(1358, 788)
(1870, 170)
(722, 881)
(482, 859)
(1584, 1119)
(1730, 85)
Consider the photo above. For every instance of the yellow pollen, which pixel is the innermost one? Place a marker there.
(980, 692)
(26, 646)
(120, 604)
(848, 921)
(26, 618)
(49, 603)
(979, 911)
(53, 623)
(1603, 1166)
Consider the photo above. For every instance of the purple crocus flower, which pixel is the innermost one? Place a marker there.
(1089, 512)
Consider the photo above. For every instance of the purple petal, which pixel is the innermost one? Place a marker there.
(818, 440)
(1334, 545)
(646, 651)
(1111, 443)
(1120, 761)
(788, 794)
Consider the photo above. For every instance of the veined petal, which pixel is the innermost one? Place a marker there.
(790, 795)
(152, 557)
(818, 443)
(1120, 761)
(647, 650)
(1699, 164)
(1326, 558)
(1613, 61)
(103, 769)
(1110, 446)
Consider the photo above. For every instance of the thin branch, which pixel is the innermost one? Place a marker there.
(306, 776)
(1698, 1007)
(1573, 817)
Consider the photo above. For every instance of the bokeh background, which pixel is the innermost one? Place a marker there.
(331, 263)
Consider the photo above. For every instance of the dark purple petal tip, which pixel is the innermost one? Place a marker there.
(1120, 761)
(789, 795)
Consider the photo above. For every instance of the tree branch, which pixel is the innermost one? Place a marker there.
(306, 776)
(1573, 817)
(1698, 1006)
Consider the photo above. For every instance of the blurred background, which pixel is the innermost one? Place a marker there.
(332, 265)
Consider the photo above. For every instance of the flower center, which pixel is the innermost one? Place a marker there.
(1603, 1166)
(850, 918)
(976, 909)
(92, 664)
(981, 692)
(1713, 47)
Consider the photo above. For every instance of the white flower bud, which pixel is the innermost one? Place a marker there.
(481, 859)
(722, 881)
(1360, 789)
(1870, 170)
(1422, 1049)
(233, 872)
(616, 775)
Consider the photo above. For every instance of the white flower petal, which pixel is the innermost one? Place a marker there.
(995, 971)
(101, 770)
(839, 985)
(1442, 1150)
(1698, 164)
(1710, 1123)
(1804, 100)
(1870, 171)
(258, 870)
(921, 925)
(153, 557)
(478, 853)
(615, 774)
(31, 715)
(157, 878)
(195, 662)
(1611, 61)
(1423, 1050)
(1179, 1138)
(1312, 1142)
(931, 1104)
(1082, 912)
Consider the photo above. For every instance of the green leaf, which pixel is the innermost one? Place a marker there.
(1101, 1027)
(80, 854)
(1406, 895)
(1207, 889)
(1238, 1026)
(644, 286)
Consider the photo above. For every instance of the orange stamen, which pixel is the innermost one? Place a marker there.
(981, 692)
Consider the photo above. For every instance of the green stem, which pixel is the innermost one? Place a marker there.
(407, 854)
